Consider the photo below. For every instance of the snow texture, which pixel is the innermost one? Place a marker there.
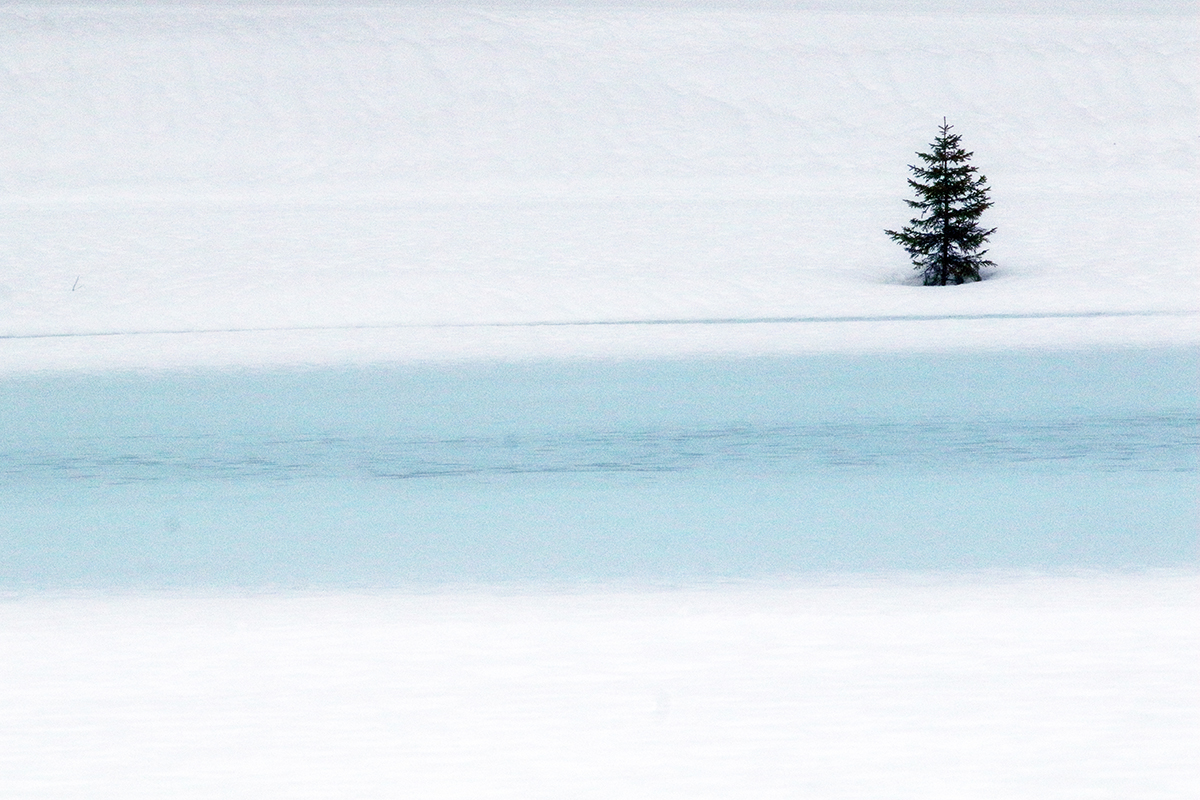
(246, 184)
(997, 688)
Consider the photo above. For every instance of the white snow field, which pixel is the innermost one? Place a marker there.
(245, 184)
(1014, 688)
(523, 401)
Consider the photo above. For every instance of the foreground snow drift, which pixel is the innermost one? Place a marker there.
(1074, 687)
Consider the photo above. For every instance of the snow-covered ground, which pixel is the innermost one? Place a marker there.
(1003, 688)
(246, 184)
(667, 213)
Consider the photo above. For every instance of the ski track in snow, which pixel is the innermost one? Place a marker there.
(585, 323)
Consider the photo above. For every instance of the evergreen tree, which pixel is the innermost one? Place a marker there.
(944, 241)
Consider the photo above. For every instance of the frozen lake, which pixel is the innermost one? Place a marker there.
(627, 470)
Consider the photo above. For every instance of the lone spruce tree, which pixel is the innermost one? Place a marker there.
(944, 242)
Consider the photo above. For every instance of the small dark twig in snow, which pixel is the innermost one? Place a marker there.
(76, 284)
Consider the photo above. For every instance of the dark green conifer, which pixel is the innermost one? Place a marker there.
(945, 241)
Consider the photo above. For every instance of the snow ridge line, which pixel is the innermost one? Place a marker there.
(616, 323)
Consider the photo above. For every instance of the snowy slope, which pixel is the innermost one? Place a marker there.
(378, 183)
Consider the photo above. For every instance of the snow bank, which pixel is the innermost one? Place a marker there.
(269, 184)
(1064, 687)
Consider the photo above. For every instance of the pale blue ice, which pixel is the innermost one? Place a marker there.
(560, 471)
